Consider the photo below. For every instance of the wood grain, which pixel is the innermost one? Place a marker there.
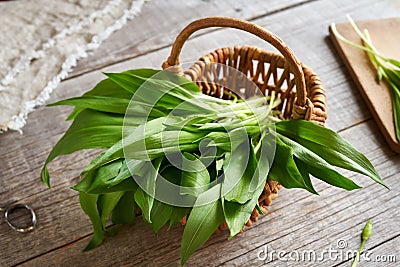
(384, 255)
(161, 21)
(283, 229)
(296, 220)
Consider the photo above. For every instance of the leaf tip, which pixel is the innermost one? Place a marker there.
(184, 259)
(74, 187)
(45, 176)
(311, 189)
(385, 185)
(109, 74)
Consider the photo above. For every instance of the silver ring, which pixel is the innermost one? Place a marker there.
(25, 229)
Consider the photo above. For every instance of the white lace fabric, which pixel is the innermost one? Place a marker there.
(41, 42)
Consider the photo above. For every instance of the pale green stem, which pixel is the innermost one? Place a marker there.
(366, 233)
(357, 258)
(257, 147)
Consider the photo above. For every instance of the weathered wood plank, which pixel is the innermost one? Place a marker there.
(339, 226)
(383, 255)
(160, 21)
(281, 226)
(64, 223)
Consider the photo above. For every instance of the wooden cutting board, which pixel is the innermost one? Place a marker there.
(385, 35)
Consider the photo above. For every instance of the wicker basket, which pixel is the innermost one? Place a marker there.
(299, 88)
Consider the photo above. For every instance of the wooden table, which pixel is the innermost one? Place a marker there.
(297, 222)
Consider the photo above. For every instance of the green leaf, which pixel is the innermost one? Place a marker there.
(305, 174)
(74, 113)
(259, 209)
(195, 178)
(89, 206)
(265, 152)
(177, 214)
(108, 88)
(144, 195)
(129, 167)
(335, 150)
(168, 193)
(124, 212)
(106, 204)
(171, 77)
(145, 72)
(165, 142)
(117, 150)
(188, 123)
(311, 163)
(99, 103)
(284, 169)
(122, 90)
(150, 92)
(379, 72)
(393, 76)
(239, 171)
(160, 93)
(145, 203)
(396, 111)
(330, 176)
(204, 219)
(109, 178)
(131, 88)
(104, 88)
(90, 129)
(113, 105)
(126, 185)
(236, 214)
(227, 141)
(395, 93)
(160, 214)
(171, 174)
(99, 177)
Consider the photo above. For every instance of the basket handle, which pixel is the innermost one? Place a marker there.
(173, 59)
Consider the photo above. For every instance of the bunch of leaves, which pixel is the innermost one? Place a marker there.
(388, 69)
(142, 118)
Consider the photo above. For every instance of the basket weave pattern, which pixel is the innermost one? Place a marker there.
(270, 72)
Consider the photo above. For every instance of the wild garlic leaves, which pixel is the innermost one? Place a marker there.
(177, 152)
